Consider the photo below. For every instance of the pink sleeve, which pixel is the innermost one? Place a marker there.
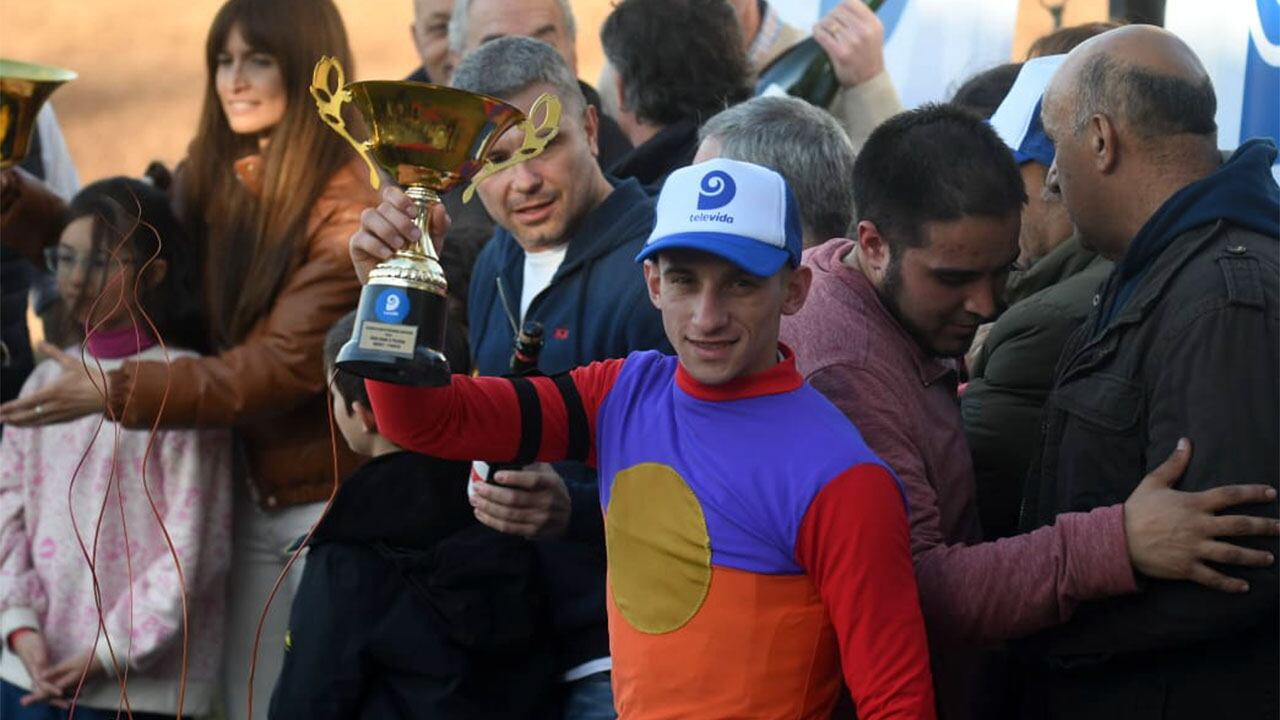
(189, 474)
(22, 595)
(988, 591)
(484, 418)
(853, 544)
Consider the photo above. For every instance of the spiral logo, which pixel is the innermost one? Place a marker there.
(1263, 27)
(391, 306)
(716, 190)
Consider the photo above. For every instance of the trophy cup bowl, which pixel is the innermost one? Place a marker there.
(23, 89)
(429, 139)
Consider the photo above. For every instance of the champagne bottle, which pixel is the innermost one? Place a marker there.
(803, 71)
(524, 359)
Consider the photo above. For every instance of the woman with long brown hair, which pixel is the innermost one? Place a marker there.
(273, 196)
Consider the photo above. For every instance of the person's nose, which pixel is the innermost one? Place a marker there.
(526, 180)
(709, 312)
(239, 75)
(983, 298)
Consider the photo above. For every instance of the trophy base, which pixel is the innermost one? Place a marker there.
(426, 369)
(397, 334)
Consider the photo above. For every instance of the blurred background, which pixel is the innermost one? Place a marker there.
(142, 75)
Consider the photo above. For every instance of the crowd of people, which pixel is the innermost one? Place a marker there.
(963, 411)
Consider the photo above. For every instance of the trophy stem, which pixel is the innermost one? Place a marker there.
(417, 265)
(423, 198)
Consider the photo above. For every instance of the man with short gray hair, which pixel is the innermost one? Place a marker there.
(563, 256)
(805, 144)
(475, 22)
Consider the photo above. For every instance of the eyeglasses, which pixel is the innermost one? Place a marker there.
(63, 261)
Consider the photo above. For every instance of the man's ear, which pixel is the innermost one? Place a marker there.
(365, 415)
(797, 290)
(1103, 143)
(619, 92)
(454, 58)
(417, 43)
(653, 280)
(874, 254)
(591, 126)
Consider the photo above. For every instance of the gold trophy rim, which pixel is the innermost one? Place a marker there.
(11, 69)
(30, 84)
(434, 88)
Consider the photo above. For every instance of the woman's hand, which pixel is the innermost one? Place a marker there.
(30, 648)
(389, 227)
(70, 396)
(65, 676)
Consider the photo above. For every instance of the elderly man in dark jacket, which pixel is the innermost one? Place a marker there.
(1183, 342)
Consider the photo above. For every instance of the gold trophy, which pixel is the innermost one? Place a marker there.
(23, 89)
(429, 139)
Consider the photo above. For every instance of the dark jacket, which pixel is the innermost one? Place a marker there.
(16, 274)
(409, 608)
(1193, 352)
(597, 307)
(1010, 381)
(653, 160)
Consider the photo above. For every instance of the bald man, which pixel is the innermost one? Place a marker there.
(1183, 342)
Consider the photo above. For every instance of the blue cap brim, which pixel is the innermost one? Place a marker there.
(1035, 145)
(751, 255)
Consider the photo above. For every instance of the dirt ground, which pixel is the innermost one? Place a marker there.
(141, 75)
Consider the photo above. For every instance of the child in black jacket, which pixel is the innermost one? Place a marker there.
(408, 607)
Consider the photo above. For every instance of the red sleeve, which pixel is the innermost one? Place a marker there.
(484, 418)
(854, 544)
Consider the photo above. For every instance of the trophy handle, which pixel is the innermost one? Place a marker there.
(535, 140)
(330, 97)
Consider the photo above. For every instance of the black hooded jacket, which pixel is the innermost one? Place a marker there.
(409, 608)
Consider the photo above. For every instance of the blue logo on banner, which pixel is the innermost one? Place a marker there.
(889, 13)
(716, 191)
(392, 305)
(1260, 114)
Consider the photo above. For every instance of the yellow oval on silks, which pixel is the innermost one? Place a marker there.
(659, 550)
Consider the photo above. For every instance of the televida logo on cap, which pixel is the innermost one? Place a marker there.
(715, 191)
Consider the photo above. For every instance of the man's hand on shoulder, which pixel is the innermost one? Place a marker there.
(1172, 534)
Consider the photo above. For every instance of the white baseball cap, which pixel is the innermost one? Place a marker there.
(741, 212)
(1017, 120)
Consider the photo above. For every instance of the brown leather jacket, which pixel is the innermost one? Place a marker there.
(271, 387)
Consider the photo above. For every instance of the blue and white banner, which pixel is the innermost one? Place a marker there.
(931, 46)
(1239, 43)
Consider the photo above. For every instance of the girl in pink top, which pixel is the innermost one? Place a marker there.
(89, 489)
